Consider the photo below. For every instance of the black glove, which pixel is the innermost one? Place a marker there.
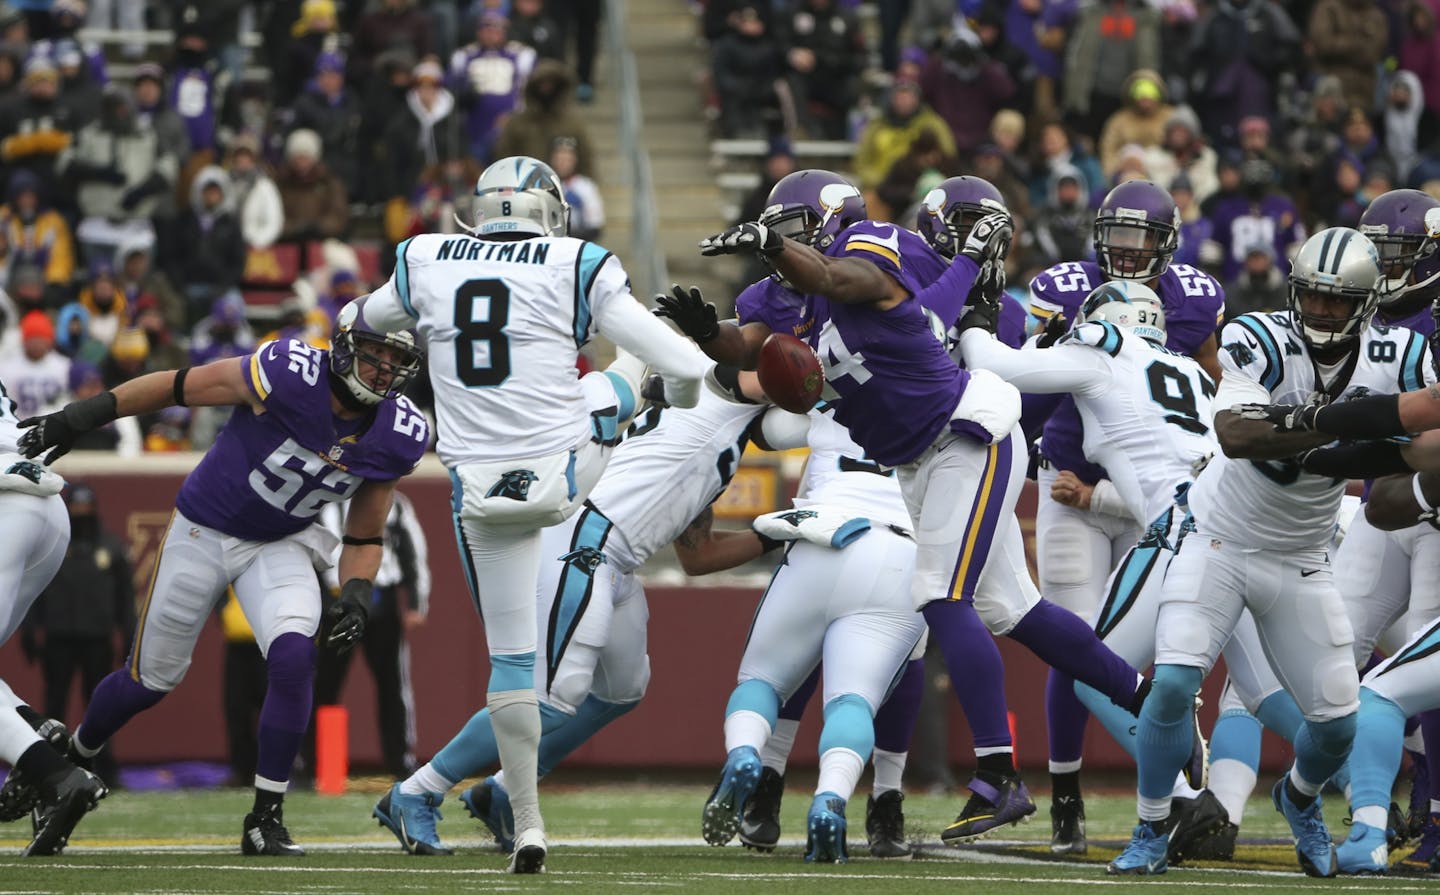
(983, 312)
(1054, 328)
(132, 197)
(989, 239)
(1284, 417)
(347, 615)
(60, 430)
(744, 239)
(696, 317)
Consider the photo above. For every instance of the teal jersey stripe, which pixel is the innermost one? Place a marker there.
(1274, 366)
(587, 267)
(402, 277)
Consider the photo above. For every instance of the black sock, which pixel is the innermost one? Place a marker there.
(1065, 786)
(999, 763)
(1296, 797)
(1163, 826)
(1141, 692)
(267, 801)
(41, 760)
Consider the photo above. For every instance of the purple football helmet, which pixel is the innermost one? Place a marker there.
(1137, 231)
(813, 206)
(392, 354)
(1405, 226)
(949, 211)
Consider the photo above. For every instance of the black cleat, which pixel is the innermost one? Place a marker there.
(760, 821)
(885, 825)
(1218, 847)
(20, 795)
(65, 797)
(1194, 821)
(996, 800)
(265, 834)
(1067, 826)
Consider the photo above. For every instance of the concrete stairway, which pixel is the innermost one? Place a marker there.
(663, 36)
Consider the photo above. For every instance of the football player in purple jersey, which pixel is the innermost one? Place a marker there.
(313, 427)
(950, 434)
(1081, 530)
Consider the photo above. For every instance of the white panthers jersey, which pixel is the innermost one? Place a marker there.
(1273, 504)
(670, 466)
(10, 430)
(1146, 411)
(839, 476)
(502, 323)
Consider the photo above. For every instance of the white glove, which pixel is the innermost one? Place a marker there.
(818, 525)
(28, 476)
(990, 402)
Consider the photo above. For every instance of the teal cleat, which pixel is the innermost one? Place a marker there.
(1145, 855)
(825, 830)
(720, 820)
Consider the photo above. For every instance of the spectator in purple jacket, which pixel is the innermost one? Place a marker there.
(966, 88)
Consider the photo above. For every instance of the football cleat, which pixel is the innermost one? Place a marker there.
(995, 800)
(529, 854)
(1144, 856)
(1195, 821)
(1397, 828)
(1419, 797)
(489, 803)
(760, 821)
(825, 830)
(720, 819)
(885, 825)
(20, 795)
(1426, 857)
(1220, 846)
(1364, 852)
(65, 797)
(1067, 826)
(412, 819)
(1312, 838)
(265, 834)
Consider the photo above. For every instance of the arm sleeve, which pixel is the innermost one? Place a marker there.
(1105, 499)
(1356, 460)
(626, 322)
(1063, 368)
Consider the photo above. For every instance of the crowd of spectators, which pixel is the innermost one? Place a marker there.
(183, 178)
(1266, 119)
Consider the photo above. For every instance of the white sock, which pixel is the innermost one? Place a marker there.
(1066, 767)
(424, 780)
(1435, 806)
(515, 717)
(500, 778)
(889, 769)
(745, 728)
(1152, 809)
(1302, 785)
(776, 753)
(994, 750)
(1415, 741)
(1183, 789)
(840, 770)
(1232, 781)
(1373, 816)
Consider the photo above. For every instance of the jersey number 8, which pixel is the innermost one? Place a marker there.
(482, 349)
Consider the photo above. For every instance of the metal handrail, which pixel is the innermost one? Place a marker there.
(647, 265)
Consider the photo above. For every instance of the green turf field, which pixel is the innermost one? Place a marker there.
(610, 838)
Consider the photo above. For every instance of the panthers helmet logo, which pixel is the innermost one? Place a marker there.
(795, 517)
(514, 484)
(585, 559)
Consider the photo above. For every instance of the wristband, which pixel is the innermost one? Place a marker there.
(362, 542)
(1419, 492)
(177, 391)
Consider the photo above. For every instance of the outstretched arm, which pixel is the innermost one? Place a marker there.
(703, 550)
(1064, 368)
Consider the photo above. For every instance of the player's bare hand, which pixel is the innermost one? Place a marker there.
(1070, 491)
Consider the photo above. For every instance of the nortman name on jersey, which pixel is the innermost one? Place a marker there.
(525, 251)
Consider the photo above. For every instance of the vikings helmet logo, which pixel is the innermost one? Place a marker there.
(514, 484)
(795, 517)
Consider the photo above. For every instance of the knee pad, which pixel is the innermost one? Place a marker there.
(1172, 691)
(849, 724)
(1333, 737)
(290, 661)
(1065, 561)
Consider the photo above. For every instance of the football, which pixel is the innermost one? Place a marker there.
(790, 373)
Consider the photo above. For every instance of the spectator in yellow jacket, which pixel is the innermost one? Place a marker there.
(889, 137)
(33, 233)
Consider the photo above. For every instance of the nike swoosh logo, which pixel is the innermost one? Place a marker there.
(1306, 573)
(405, 834)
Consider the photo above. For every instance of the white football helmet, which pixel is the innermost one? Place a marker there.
(1130, 305)
(520, 195)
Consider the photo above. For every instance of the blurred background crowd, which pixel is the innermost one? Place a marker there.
(182, 179)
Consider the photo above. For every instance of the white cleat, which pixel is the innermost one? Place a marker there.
(529, 854)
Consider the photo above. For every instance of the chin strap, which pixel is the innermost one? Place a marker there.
(347, 399)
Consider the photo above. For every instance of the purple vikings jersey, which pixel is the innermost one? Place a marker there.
(1421, 321)
(268, 474)
(1194, 307)
(782, 309)
(896, 382)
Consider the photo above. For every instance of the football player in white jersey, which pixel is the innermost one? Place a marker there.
(840, 598)
(591, 666)
(1263, 523)
(505, 309)
(36, 534)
